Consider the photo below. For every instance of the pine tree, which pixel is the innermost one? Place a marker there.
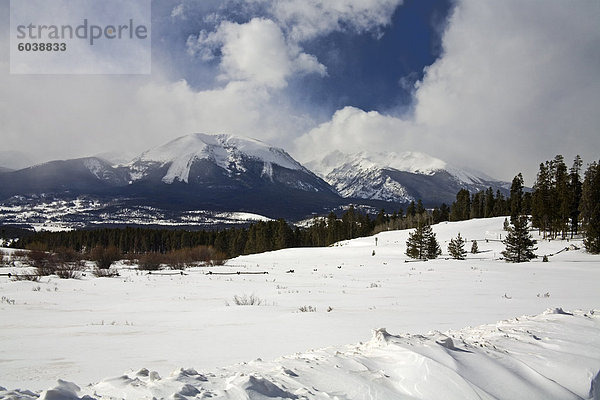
(590, 208)
(422, 244)
(456, 248)
(474, 247)
(561, 197)
(461, 208)
(519, 243)
(540, 202)
(433, 247)
(516, 197)
(575, 188)
(415, 245)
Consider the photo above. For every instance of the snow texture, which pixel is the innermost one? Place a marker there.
(120, 338)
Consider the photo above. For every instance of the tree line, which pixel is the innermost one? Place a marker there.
(257, 238)
(562, 202)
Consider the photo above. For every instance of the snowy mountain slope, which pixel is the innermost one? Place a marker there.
(82, 175)
(89, 329)
(14, 159)
(400, 177)
(226, 151)
(216, 173)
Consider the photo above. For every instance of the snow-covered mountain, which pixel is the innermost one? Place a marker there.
(222, 173)
(226, 173)
(230, 153)
(398, 177)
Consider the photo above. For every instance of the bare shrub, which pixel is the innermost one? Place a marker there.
(43, 261)
(182, 258)
(178, 259)
(245, 300)
(66, 255)
(151, 261)
(105, 272)
(68, 271)
(105, 256)
(218, 258)
(307, 309)
(25, 277)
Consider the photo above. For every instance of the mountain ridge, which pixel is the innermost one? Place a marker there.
(228, 173)
(399, 177)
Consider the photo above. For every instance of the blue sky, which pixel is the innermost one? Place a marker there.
(495, 86)
(374, 69)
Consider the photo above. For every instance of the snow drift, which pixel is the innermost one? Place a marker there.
(555, 355)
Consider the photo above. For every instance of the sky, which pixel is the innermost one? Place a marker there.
(497, 87)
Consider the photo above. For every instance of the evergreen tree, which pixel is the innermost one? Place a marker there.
(516, 197)
(540, 206)
(411, 210)
(433, 247)
(456, 248)
(590, 208)
(415, 245)
(519, 243)
(422, 244)
(575, 188)
(478, 205)
(561, 197)
(489, 201)
(461, 208)
(420, 208)
(474, 247)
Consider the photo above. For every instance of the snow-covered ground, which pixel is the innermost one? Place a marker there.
(92, 330)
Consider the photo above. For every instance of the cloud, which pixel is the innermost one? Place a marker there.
(517, 83)
(352, 130)
(178, 12)
(307, 19)
(256, 52)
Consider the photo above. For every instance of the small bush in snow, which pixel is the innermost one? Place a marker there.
(307, 309)
(68, 271)
(151, 261)
(105, 273)
(105, 256)
(245, 300)
(25, 277)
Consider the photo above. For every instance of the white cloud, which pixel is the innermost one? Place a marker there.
(517, 83)
(178, 12)
(256, 52)
(307, 19)
(351, 130)
(57, 117)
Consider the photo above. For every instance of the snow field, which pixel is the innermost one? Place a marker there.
(89, 329)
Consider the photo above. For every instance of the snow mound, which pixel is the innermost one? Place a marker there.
(554, 355)
(63, 391)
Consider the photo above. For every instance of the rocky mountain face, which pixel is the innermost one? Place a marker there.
(197, 177)
(399, 177)
(194, 172)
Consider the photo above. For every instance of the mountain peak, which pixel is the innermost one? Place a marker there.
(408, 161)
(226, 151)
(398, 177)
